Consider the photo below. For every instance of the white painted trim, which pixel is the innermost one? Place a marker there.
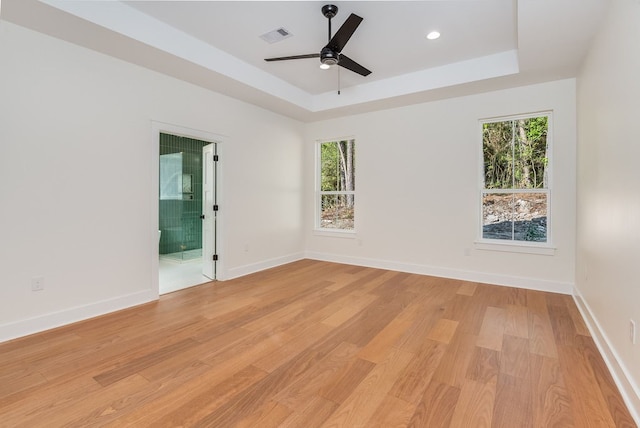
(259, 266)
(549, 190)
(130, 22)
(335, 233)
(474, 276)
(629, 390)
(53, 320)
(513, 247)
(318, 229)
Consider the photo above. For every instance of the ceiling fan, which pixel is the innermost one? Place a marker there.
(331, 53)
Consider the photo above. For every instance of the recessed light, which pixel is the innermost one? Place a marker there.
(433, 35)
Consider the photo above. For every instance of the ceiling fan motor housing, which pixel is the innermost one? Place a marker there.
(328, 56)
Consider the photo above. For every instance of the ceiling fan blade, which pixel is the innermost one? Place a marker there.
(285, 58)
(345, 32)
(350, 64)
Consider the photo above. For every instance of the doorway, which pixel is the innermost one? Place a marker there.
(186, 231)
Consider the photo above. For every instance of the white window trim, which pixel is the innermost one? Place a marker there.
(513, 246)
(317, 229)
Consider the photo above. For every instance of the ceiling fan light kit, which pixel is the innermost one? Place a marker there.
(331, 54)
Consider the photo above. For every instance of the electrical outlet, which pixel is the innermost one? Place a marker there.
(37, 283)
(632, 331)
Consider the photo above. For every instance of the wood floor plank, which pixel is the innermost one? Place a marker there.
(392, 412)
(199, 406)
(454, 364)
(492, 330)
(289, 350)
(272, 414)
(262, 391)
(551, 401)
(311, 344)
(88, 408)
(392, 287)
(517, 322)
(362, 403)
(607, 387)
(467, 288)
(413, 381)
(381, 343)
(443, 330)
(133, 367)
(222, 365)
(348, 379)
(472, 315)
(536, 301)
(18, 379)
(578, 321)
(514, 358)
(423, 323)
(513, 402)
(588, 403)
(484, 365)
(355, 305)
(516, 296)
(475, 406)
(37, 400)
(316, 411)
(335, 368)
(148, 398)
(436, 406)
(541, 337)
(564, 330)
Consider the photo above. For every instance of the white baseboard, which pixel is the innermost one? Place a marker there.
(48, 321)
(52, 320)
(628, 388)
(483, 277)
(257, 267)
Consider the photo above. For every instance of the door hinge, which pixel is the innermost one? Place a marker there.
(215, 158)
(215, 207)
(215, 257)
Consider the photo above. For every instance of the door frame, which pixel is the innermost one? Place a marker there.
(209, 137)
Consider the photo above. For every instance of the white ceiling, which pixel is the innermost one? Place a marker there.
(485, 45)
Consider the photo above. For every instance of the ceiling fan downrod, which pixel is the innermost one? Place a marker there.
(329, 11)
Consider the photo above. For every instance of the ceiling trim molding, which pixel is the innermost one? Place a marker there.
(123, 19)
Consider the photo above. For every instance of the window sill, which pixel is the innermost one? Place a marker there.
(349, 234)
(515, 248)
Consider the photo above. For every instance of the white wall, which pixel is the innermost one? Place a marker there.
(76, 179)
(417, 181)
(608, 213)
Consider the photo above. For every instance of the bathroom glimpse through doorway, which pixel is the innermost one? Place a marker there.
(186, 228)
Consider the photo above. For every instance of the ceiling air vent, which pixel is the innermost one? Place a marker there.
(276, 35)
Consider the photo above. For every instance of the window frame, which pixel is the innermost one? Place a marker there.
(512, 245)
(319, 193)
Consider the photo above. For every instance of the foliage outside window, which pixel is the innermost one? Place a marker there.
(515, 194)
(336, 185)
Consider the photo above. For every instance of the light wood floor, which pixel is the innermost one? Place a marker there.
(315, 344)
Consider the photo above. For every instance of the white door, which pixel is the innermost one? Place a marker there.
(208, 211)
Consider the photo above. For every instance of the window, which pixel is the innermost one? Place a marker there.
(515, 191)
(336, 185)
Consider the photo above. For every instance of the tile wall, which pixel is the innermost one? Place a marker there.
(180, 221)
